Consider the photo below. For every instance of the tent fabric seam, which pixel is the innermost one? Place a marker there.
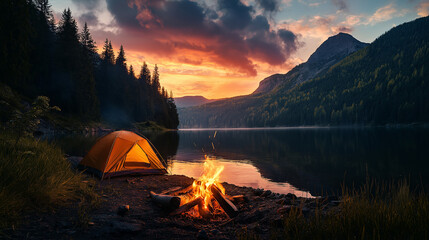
(108, 156)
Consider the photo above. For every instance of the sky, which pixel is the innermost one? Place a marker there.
(224, 48)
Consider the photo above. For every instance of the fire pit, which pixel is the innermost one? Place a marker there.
(205, 198)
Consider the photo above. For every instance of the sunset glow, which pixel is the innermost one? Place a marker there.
(224, 48)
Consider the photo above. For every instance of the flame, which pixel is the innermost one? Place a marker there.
(201, 186)
(211, 174)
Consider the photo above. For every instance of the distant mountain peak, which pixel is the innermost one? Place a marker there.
(331, 51)
(190, 101)
(341, 44)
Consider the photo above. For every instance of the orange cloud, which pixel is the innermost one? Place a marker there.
(423, 9)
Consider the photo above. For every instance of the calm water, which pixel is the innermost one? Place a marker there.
(304, 161)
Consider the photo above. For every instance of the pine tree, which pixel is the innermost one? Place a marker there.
(45, 8)
(108, 55)
(155, 80)
(121, 60)
(87, 42)
(145, 74)
(131, 72)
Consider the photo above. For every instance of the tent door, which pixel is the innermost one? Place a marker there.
(136, 158)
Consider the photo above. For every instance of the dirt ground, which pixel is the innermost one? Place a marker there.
(260, 214)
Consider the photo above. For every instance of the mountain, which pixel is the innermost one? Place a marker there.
(383, 83)
(331, 51)
(190, 101)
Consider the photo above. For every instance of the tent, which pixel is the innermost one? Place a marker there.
(122, 153)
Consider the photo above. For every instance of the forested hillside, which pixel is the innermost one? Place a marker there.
(39, 57)
(384, 83)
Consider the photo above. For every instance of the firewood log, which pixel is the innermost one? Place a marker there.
(203, 211)
(167, 202)
(237, 198)
(182, 191)
(227, 206)
(187, 206)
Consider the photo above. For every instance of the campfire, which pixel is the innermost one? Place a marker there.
(205, 198)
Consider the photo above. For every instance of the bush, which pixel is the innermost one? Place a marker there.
(376, 211)
(34, 174)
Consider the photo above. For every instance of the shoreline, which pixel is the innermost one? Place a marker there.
(146, 220)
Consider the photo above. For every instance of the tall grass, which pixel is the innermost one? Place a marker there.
(34, 175)
(375, 211)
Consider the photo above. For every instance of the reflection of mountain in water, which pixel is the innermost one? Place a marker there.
(316, 159)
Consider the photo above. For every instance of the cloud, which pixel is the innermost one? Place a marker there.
(87, 4)
(319, 27)
(423, 9)
(269, 5)
(235, 15)
(89, 18)
(340, 4)
(382, 14)
(229, 34)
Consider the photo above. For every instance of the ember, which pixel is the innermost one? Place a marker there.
(205, 197)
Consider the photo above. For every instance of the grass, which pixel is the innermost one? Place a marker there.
(35, 175)
(374, 211)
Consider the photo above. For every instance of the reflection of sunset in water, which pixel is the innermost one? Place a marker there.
(239, 173)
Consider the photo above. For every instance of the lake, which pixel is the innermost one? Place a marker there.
(307, 161)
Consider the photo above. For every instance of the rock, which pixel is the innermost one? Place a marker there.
(122, 210)
(258, 192)
(266, 193)
(291, 196)
(202, 235)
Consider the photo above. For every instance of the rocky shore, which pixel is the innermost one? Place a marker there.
(126, 211)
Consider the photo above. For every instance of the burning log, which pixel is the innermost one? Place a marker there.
(229, 208)
(182, 191)
(204, 211)
(237, 198)
(187, 206)
(166, 201)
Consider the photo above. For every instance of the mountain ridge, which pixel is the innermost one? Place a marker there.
(331, 51)
(383, 83)
(190, 101)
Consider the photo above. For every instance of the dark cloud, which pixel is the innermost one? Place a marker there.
(340, 4)
(229, 35)
(89, 18)
(259, 23)
(344, 29)
(289, 39)
(87, 4)
(269, 5)
(235, 15)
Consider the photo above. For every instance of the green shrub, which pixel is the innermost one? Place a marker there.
(375, 211)
(34, 174)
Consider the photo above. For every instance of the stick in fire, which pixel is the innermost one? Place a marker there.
(229, 208)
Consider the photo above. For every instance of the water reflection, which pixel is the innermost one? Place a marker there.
(306, 161)
(316, 160)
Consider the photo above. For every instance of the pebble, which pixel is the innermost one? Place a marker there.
(122, 210)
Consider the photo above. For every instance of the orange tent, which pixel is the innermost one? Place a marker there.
(122, 153)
